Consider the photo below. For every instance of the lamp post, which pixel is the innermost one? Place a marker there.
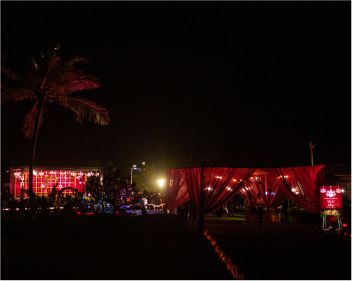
(134, 167)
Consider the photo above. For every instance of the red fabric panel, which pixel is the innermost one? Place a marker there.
(266, 183)
(301, 184)
(220, 184)
(177, 192)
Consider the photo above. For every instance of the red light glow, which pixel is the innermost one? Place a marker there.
(45, 179)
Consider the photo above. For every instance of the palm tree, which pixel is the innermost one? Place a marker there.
(49, 79)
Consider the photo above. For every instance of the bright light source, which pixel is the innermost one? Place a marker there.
(134, 166)
(228, 188)
(143, 163)
(219, 177)
(161, 183)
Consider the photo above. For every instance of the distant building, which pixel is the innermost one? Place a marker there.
(44, 179)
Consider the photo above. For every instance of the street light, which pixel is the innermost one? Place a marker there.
(134, 167)
(161, 183)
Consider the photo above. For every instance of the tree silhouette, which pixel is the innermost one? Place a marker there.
(50, 79)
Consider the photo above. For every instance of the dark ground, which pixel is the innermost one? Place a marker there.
(284, 250)
(163, 247)
(152, 247)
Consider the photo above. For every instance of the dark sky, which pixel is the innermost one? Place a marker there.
(243, 84)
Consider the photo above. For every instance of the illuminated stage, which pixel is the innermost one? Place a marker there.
(44, 179)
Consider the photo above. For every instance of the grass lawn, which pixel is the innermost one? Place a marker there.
(151, 247)
(164, 247)
(283, 250)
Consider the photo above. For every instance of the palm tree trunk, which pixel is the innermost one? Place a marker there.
(33, 148)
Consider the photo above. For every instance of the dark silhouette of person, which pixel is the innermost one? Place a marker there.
(260, 208)
(284, 211)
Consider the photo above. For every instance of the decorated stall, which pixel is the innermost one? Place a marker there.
(209, 189)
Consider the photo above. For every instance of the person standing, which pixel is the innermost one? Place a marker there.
(284, 211)
(144, 202)
(248, 209)
(260, 204)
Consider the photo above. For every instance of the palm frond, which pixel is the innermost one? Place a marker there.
(8, 73)
(18, 94)
(76, 60)
(29, 121)
(72, 82)
(84, 109)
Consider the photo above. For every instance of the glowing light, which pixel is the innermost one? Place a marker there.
(143, 163)
(35, 172)
(266, 193)
(345, 224)
(218, 177)
(293, 189)
(286, 176)
(73, 174)
(60, 185)
(42, 185)
(41, 174)
(161, 182)
(234, 180)
(228, 188)
(209, 188)
(323, 190)
(342, 190)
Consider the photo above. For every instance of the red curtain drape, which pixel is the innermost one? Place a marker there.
(301, 184)
(220, 184)
(176, 193)
(264, 182)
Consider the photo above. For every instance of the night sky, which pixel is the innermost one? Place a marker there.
(222, 83)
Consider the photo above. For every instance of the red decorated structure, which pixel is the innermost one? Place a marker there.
(331, 205)
(331, 197)
(208, 189)
(45, 178)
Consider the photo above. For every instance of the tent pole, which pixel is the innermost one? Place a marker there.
(201, 201)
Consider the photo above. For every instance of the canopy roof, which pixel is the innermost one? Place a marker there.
(300, 184)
